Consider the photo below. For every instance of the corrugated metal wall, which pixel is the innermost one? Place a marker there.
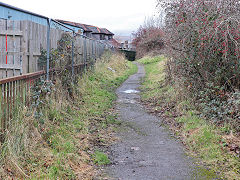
(11, 14)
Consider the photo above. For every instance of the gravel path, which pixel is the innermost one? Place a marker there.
(146, 150)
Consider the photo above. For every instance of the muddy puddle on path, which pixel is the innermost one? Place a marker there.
(145, 150)
(131, 91)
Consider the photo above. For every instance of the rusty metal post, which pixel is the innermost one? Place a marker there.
(48, 46)
(73, 55)
(85, 53)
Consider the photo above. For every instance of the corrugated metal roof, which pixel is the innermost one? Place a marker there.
(94, 29)
(37, 18)
(107, 31)
(88, 28)
(97, 30)
(83, 26)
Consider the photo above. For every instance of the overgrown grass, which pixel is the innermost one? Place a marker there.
(61, 143)
(100, 158)
(203, 139)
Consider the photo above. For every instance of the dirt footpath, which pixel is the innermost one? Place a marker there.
(146, 150)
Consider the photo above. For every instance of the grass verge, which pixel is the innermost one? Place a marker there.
(100, 158)
(61, 141)
(205, 141)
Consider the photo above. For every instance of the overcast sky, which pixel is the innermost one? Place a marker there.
(119, 16)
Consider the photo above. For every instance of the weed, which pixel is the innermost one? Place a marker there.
(150, 60)
(100, 158)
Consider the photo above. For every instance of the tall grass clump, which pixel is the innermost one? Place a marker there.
(55, 137)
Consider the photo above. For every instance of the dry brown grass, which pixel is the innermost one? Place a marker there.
(61, 146)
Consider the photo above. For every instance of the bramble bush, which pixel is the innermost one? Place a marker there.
(148, 38)
(203, 40)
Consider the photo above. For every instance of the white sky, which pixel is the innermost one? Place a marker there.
(119, 16)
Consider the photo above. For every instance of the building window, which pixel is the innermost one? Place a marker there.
(109, 37)
(102, 37)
